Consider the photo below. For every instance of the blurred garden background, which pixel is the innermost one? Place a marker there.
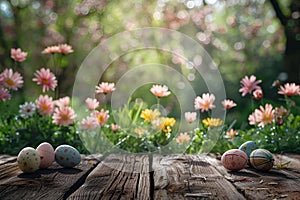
(243, 37)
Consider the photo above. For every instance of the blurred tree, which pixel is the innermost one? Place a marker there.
(291, 23)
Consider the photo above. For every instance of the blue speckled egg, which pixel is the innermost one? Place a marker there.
(67, 156)
(248, 147)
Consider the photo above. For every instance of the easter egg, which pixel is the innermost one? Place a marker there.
(248, 147)
(46, 153)
(67, 156)
(28, 160)
(261, 159)
(234, 159)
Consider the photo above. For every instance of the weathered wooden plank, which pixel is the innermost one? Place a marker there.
(52, 183)
(119, 176)
(188, 177)
(274, 184)
(8, 167)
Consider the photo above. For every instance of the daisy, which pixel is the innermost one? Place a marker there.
(63, 102)
(11, 80)
(212, 122)
(101, 116)
(89, 123)
(289, 89)
(4, 94)
(45, 78)
(65, 49)
(92, 104)
(166, 124)
(248, 85)
(190, 116)
(45, 105)
(18, 55)
(63, 116)
(205, 103)
(150, 115)
(262, 116)
(183, 138)
(228, 104)
(27, 109)
(51, 50)
(160, 91)
(105, 88)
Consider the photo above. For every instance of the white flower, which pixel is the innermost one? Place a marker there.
(27, 109)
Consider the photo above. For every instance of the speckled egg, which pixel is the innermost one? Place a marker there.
(46, 153)
(261, 159)
(234, 159)
(28, 160)
(67, 156)
(248, 147)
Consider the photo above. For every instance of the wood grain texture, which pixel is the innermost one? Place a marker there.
(117, 177)
(52, 183)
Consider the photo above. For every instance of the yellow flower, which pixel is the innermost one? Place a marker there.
(150, 115)
(166, 124)
(183, 138)
(212, 122)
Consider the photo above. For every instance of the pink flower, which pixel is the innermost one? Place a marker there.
(45, 105)
(11, 80)
(289, 89)
(4, 94)
(63, 102)
(45, 78)
(101, 116)
(51, 50)
(183, 138)
(160, 91)
(205, 103)
(18, 55)
(262, 116)
(190, 116)
(248, 85)
(258, 94)
(105, 88)
(228, 104)
(92, 104)
(63, 116)
(115, 127)
(65, 49)
(89, 123)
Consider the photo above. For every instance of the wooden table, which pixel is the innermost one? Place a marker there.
(149, 177)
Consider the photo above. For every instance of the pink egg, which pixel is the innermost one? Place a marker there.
(46, 153)
(234, 159)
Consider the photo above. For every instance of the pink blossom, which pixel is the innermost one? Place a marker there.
(92, 104)
(89, 123)
(63, 116)
(105, 88)
(115, 127)
(228, 104)
(205, 103)
(18, 55)
(11, 80)
(258, 94)
(101, 116)
(262, 116)
(190, 116)
(51, 50)
(65, 49)
(45, 105)
(183, 138)
(289, 89)
(160, 90)
(248, 85)
(63, 102)
(4, 94)
(45, 78)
